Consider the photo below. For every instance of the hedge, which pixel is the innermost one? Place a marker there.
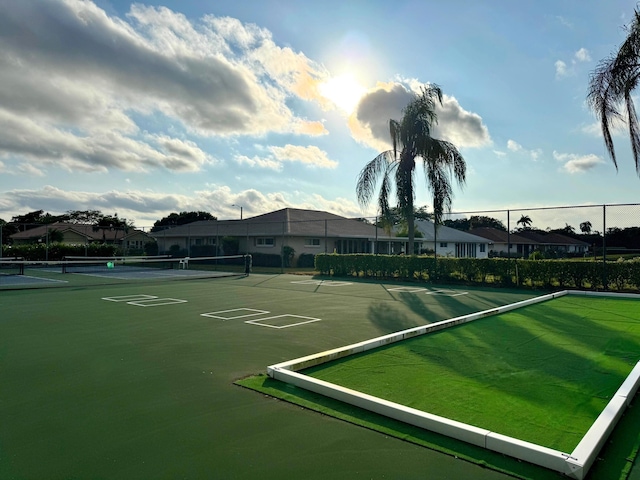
(57, 251)
(495, 271)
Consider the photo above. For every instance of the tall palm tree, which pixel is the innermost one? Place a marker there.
(525, 221)
(610, 88)
(412, 141)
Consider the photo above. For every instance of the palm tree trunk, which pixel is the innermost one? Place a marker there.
(410, 227)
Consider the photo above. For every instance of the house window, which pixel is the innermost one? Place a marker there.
(312, 242)
(482, 247)
(265, 242)
(443, 244)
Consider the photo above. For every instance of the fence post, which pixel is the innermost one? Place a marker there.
(325, 236)
(509, 243)
(604, 247)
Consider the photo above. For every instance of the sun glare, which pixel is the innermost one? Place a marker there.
(343, 91)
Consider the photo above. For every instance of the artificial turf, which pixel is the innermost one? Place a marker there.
(542, 373)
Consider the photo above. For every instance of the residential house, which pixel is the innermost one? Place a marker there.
(306, 231)
(556, 242)
(524, 242)
(504, 243)
(449, 242)
(73, 233)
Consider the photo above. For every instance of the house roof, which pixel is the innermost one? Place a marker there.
(292, 222)
(446, 234)
(82, 230)
(552, 238)
(500, 236)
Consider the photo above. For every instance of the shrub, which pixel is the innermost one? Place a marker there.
(306, 260)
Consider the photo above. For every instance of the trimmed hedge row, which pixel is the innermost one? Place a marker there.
(496, 271)
(57, 251)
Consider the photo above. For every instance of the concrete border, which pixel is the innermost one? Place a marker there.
(575, 465)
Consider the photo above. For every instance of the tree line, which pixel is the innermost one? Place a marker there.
(98, 220)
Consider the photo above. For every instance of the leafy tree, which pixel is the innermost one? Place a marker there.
(567, 230)
(585, 227)
(84, 216)
(475, 221)
(411, 139)
(610, 87)
(8, 229)
(28, 220)
(108, 222)
(182, 218)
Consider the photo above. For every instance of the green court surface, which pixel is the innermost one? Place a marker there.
(126, 379)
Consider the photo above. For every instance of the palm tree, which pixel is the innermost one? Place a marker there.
(525, 221)
(585, 227)
(411, 139)
(610, 87)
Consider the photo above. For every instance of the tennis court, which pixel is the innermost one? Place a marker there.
(134, 378)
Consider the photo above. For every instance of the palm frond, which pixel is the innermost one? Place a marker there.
(442, 162)
(371, 174)
(610, 86)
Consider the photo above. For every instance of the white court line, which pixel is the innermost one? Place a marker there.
(257, 321)
(325, 283)
(45, 279)
(213, 314)
(128, 298)
(155, 302)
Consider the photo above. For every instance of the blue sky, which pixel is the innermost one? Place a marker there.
(162, 106)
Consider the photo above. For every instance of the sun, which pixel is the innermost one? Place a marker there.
(343, 91)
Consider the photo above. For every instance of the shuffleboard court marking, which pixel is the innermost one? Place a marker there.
(446, 293)
(223, 317)
(407, 289)
(324, 283)
(156, 302)
(259, 321)
(129, 298)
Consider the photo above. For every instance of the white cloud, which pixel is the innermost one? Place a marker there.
(582, 55)
(500, 154)
(563, 21)
(513, 146)
(310, 155)
(369, 124)
(573, 163)
(535, 154)
(564, 70)
(81, 77)
(561, 69)
(144, 207)
(267, 162)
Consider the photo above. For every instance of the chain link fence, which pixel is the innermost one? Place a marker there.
(291, 238)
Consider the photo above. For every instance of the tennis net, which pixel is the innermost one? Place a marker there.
(11, 266)
(181, 267)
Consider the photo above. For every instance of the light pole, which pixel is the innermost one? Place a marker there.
(239, 206)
